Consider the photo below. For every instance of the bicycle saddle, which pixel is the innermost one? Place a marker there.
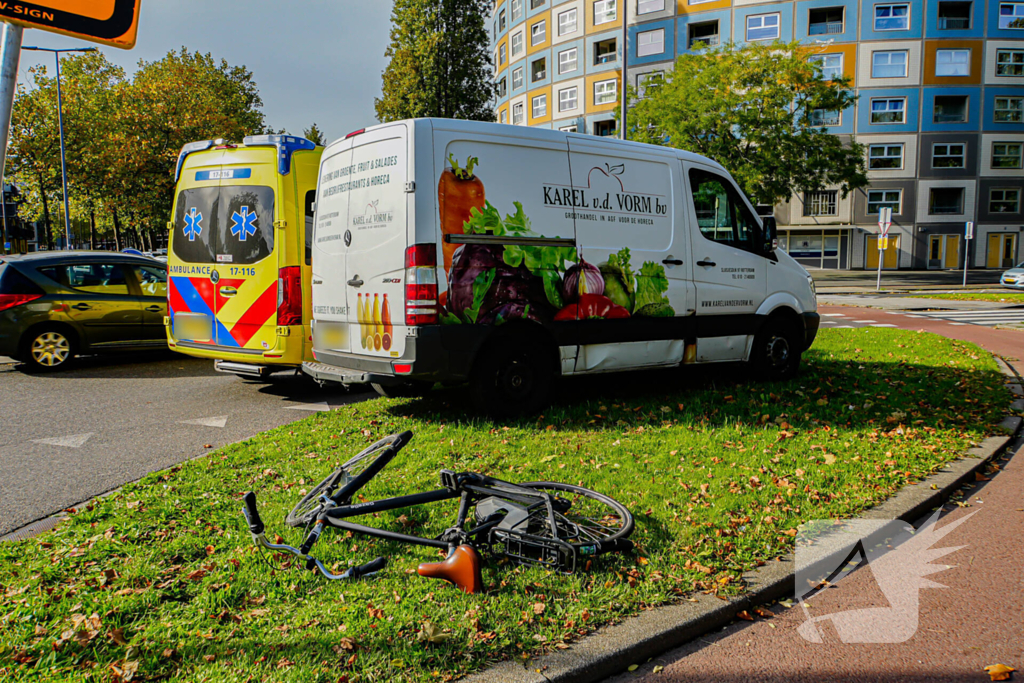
(462, 568)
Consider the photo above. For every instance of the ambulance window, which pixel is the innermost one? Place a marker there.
(195, 223)
(310, 198)
(245, 225)
(721, 214)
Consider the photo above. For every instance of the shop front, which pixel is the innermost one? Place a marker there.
(827, 248)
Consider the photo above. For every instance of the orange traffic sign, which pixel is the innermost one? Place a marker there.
(110, 22)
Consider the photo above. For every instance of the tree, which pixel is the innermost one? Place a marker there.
(315, 135)
(751, 109)
(440, 62)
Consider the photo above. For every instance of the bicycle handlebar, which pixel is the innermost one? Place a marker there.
(252, 516)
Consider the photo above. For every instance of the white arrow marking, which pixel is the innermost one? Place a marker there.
(218, 422)
(321, 407)
(72, 441)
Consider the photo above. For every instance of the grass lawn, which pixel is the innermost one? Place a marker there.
(1000, 297)
(161, 581)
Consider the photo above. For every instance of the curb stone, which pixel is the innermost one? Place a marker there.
(610, 650)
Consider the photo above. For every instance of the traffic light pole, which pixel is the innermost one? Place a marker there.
(10, 55)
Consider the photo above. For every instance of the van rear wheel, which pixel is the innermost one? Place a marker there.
(776, 353)
(513, 377)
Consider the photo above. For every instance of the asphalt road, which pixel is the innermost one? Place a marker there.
(66, 437)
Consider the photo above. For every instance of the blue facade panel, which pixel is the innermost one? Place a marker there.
(973, 122)
(511, 78)
(581, 56)
(668, 25)
(530, 61)
(988, 121)
(1011, 13)
(684, 21)
(785, 12)
(589, 53)
(936, 28)
(868, 19)
(912, 110)
(803, 13)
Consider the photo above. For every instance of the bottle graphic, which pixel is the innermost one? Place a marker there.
(377, 327)
(361, 317)
(385, 316)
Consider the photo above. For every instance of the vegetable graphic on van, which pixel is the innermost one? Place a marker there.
(459, 192)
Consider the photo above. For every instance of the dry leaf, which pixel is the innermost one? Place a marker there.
(431, 634)
(658, 669)
(763, 613)
(210, 550)
(633, 667)
(539, 607)
(978, 476)
(830, 459)
(117, 635)
(999, 672)
(745, 616)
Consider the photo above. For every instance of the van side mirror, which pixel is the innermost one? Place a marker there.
(771, 234)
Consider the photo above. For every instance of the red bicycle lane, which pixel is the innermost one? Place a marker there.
(974, 622)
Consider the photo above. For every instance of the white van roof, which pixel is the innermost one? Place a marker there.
(542, 134)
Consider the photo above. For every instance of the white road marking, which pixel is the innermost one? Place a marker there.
(828, 322)
(959, 324)
(316, 407)
(987, 317)
(882, 325)
(834, 315)
(218, 422)
(865, 322)
(71, 441)
(845, 327)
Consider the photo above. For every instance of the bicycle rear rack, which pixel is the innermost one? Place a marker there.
(550, 553)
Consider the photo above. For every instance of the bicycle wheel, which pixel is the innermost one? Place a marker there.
(343, 482)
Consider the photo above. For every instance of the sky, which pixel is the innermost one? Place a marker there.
(313, 60)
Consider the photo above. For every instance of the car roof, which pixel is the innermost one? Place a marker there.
(48, 257)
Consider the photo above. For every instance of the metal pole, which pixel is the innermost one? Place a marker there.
(967, 258)
(625, 62)
(63, 166)
(881, 255)
(10, 55)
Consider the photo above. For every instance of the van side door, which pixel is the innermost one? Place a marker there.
(729, 270)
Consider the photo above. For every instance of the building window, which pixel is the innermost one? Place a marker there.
(1006, 155)
(952, 62)
(540, 106)
(604, 129)
(650, 43)
(517, 114)
(763, 27)
(534, 4)
(517, 78)
(892, 17)
(1009, 62)
(648, 6)
(885, 157)
(501, 21)
(502, 87)
(606, 92)
(517, 10)
(889, 111)
(649, 81)
(503, 117)
(567, 61)
(1004, 200)
(502, 55)
(517, 43)
(823, 203)
(567, 22)
(821, 118)
(889, 64)
(945, 201)
(604, 11)
(829, 66)
(705, 32)
(539, 70)
(948, 156)
(826, 21)
(569, 129)
(568, 99)
(1011, 15)
(538, 33)
(1008, 110)
(605, 51)
(880, 199)
(954, 16)
(950, 109)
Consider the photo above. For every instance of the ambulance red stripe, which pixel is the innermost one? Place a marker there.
(254, 318)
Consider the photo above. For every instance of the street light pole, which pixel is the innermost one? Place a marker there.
(625, 63)
(60, 125)
(10, 53)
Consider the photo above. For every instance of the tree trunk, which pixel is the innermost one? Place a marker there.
(92, 229)
(117, 232)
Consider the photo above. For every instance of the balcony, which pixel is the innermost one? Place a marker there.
(821, 118)
(827, 28)
(954, 15)
(954, 23)
(708, 41)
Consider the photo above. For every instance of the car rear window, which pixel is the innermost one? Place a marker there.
(233, 224)
(13, 282)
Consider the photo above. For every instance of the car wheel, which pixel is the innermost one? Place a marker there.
(776, 353)
(513, 377)
(47, 349)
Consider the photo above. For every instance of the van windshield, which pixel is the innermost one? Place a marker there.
(232, 224)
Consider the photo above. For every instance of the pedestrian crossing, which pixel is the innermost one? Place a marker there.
(987, 317)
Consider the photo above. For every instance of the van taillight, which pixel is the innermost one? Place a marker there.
(289, 296)
(421, 285)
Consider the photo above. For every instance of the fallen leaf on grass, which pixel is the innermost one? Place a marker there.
(999, 672)
(117, 635)
(345, 644)
(429, 633)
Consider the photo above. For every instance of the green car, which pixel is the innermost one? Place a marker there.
(56, 305)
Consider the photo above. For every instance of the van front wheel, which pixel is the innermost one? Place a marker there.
(776, 353)
(513, 377)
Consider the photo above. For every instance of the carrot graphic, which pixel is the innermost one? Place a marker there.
(458, 192)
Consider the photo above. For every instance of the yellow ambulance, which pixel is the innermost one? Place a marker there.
(239, 261)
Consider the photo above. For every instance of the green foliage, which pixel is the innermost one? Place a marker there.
(749, 108)
(651, 284)
(440, 62)
(463, 173)
(315, 135)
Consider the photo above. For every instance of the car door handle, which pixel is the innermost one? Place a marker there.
(81, 307)
(705, 263)
(154, 308)
(355, 282)
(672, 262)
(228, 291)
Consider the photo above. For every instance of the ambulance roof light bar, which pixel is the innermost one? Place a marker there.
(189, 149)
(286, 146)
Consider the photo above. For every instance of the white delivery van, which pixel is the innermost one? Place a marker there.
(506, 256)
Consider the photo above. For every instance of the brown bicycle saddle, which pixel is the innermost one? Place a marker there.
(461, 568)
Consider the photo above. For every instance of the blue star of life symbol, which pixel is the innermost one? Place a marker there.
(242, 224)
(193, 224)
